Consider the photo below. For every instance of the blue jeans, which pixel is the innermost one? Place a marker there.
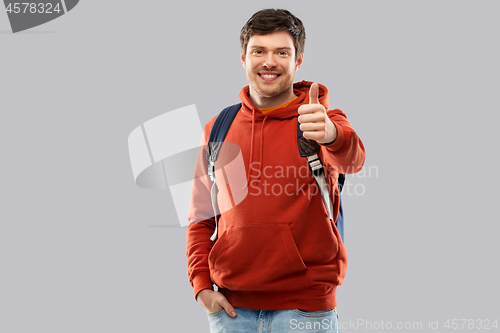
(275, 321)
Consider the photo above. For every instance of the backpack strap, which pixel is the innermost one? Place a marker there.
(215, 140)
(340, 218)
(219, 130)
(310, 149)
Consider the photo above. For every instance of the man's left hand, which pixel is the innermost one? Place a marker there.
(314, 121)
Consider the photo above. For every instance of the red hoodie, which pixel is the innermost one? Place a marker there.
(276, 248)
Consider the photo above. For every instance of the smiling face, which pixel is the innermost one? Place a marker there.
(270, 67)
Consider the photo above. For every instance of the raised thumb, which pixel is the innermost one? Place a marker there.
(314, 94)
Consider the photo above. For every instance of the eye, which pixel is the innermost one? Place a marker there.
(284, 53)
(258, 52)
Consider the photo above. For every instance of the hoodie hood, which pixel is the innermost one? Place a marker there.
(300, 89)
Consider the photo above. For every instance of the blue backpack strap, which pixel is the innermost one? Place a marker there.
(339, 223)
(218, 135)
(223, 122)
(340, 219)
(215, 140)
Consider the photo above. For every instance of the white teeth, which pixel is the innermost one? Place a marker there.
(269, 76)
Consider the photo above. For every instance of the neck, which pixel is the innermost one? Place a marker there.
(263, 102)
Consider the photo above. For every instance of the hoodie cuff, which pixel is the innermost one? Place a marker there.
(339, 141)
(201, 281)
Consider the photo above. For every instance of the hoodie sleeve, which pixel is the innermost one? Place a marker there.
(346, 153)
(201, 223)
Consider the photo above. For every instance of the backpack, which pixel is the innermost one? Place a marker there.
(307, 148)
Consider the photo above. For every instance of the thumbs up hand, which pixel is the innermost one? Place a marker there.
(314, 121)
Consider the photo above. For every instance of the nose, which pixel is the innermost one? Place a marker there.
(269, 61)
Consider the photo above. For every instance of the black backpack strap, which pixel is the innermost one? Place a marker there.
(310, 149)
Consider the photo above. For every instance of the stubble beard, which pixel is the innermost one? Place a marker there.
(277, 90)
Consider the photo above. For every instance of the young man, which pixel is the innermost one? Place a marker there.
(277, 254)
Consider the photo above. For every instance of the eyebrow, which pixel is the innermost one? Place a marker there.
(263, 47)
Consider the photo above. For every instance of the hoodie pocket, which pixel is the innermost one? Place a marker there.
(258, 256)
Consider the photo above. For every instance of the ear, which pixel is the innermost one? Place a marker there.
(242, 58)
(299, 61)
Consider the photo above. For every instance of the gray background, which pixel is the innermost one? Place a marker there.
(83, 249)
